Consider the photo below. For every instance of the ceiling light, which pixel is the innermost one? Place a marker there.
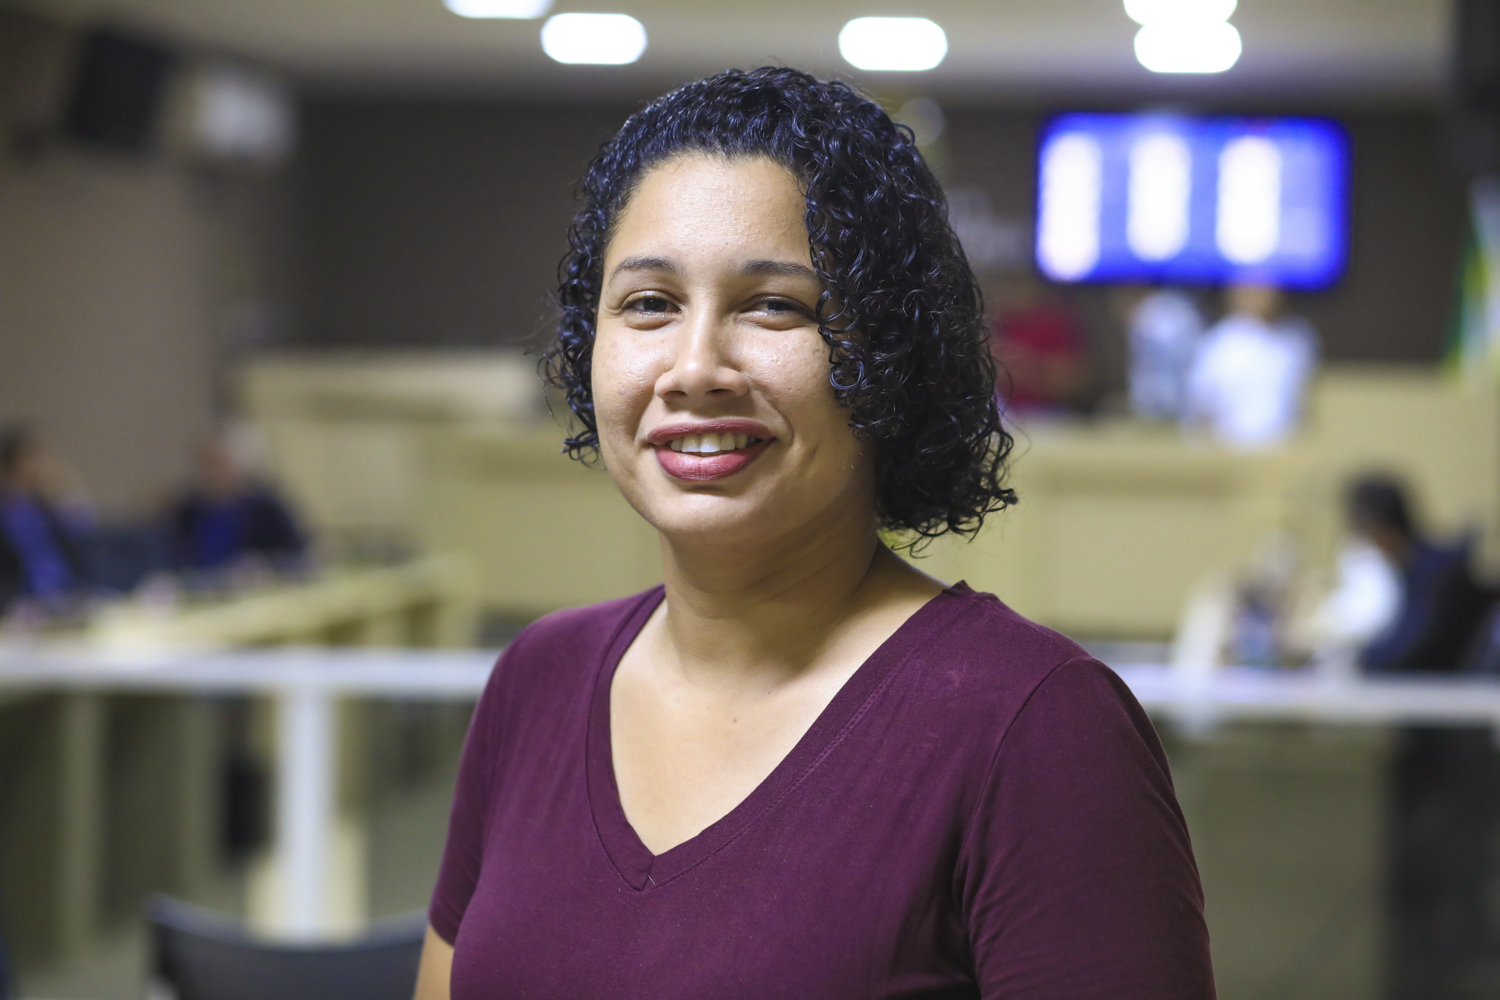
(893, 43)
(1188, 47)
(498, 8)
(602, 39)
(1185, 36)
(1162, 11)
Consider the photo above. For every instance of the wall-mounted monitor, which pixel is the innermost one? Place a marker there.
(1140, 197)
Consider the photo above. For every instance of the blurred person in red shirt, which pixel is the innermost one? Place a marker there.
(1039, 344)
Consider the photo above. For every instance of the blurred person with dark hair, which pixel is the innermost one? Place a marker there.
(40, 531)
(1445, 802)
(227, 517)
(1251, 369)
(1039, 348)
(1441, 604)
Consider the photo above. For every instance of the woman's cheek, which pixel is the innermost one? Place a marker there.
(620, 383)
(798, 369)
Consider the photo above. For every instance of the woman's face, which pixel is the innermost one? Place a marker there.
(710, 379)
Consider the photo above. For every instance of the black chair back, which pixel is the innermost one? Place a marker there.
(201, 955)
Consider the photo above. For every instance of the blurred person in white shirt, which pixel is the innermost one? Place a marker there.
(1251, 370)
(1165, 328)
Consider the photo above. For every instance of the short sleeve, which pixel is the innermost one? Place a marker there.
(462, 855)
(1076, 877)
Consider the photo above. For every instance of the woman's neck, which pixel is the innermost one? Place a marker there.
(765, 614)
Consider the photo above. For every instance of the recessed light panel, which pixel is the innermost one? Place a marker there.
(1192, 47)
(893, 43)
(599, 39)
(1164, 11)
(1185, 36)
(498, 8)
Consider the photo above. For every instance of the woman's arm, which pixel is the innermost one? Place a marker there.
(436, 968)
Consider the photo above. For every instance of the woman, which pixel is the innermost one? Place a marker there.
(802, 768)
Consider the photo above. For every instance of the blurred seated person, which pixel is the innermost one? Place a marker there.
(1440, 605)
(1445, 780)
(1038, 344)
(40, 530)
(1251, 370)
(227, 518)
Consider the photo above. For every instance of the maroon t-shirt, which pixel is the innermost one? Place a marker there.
(981, 811)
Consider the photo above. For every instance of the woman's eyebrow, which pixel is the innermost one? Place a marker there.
(645, 263)
(754, 268)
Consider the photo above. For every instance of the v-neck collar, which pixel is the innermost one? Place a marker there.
(636, 864)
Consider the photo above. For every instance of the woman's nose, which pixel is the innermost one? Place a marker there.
(702, 365)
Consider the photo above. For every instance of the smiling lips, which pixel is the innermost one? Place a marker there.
(709, 451)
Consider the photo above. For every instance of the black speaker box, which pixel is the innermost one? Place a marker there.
(117, 91)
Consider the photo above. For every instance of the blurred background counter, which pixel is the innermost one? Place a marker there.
(1119, 518)
(445, 516)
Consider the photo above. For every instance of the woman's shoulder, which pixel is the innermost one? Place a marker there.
(992, 660)
(984, 636)
(593, 623)
(570, 641)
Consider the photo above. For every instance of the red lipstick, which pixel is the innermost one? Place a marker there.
(701, 468)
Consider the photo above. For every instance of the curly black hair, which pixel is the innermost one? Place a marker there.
(900, 308)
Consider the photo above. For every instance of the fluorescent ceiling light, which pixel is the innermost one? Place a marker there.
(1164, 11)
(893, 43)
(601, 39)
(498, 8)
(1188, 47)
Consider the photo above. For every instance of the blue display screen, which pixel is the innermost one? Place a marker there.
(1134, 197)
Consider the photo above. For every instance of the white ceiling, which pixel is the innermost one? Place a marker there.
(1292, 48)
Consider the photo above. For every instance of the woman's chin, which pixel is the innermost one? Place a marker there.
(709, 522)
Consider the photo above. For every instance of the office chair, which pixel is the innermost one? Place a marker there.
(200, 955)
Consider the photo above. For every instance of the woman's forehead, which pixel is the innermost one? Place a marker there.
(702, 202)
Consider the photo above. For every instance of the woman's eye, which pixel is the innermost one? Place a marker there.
(651, 304)
(782, 306)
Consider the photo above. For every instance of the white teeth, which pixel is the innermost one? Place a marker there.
(712, 444)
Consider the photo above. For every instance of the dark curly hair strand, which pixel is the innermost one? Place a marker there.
(900, 310)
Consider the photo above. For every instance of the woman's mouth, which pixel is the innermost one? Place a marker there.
(701, 457)
(712, 444)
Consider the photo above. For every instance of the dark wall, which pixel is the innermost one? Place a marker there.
(1409, 220)
(442, 223)
(437, 223)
